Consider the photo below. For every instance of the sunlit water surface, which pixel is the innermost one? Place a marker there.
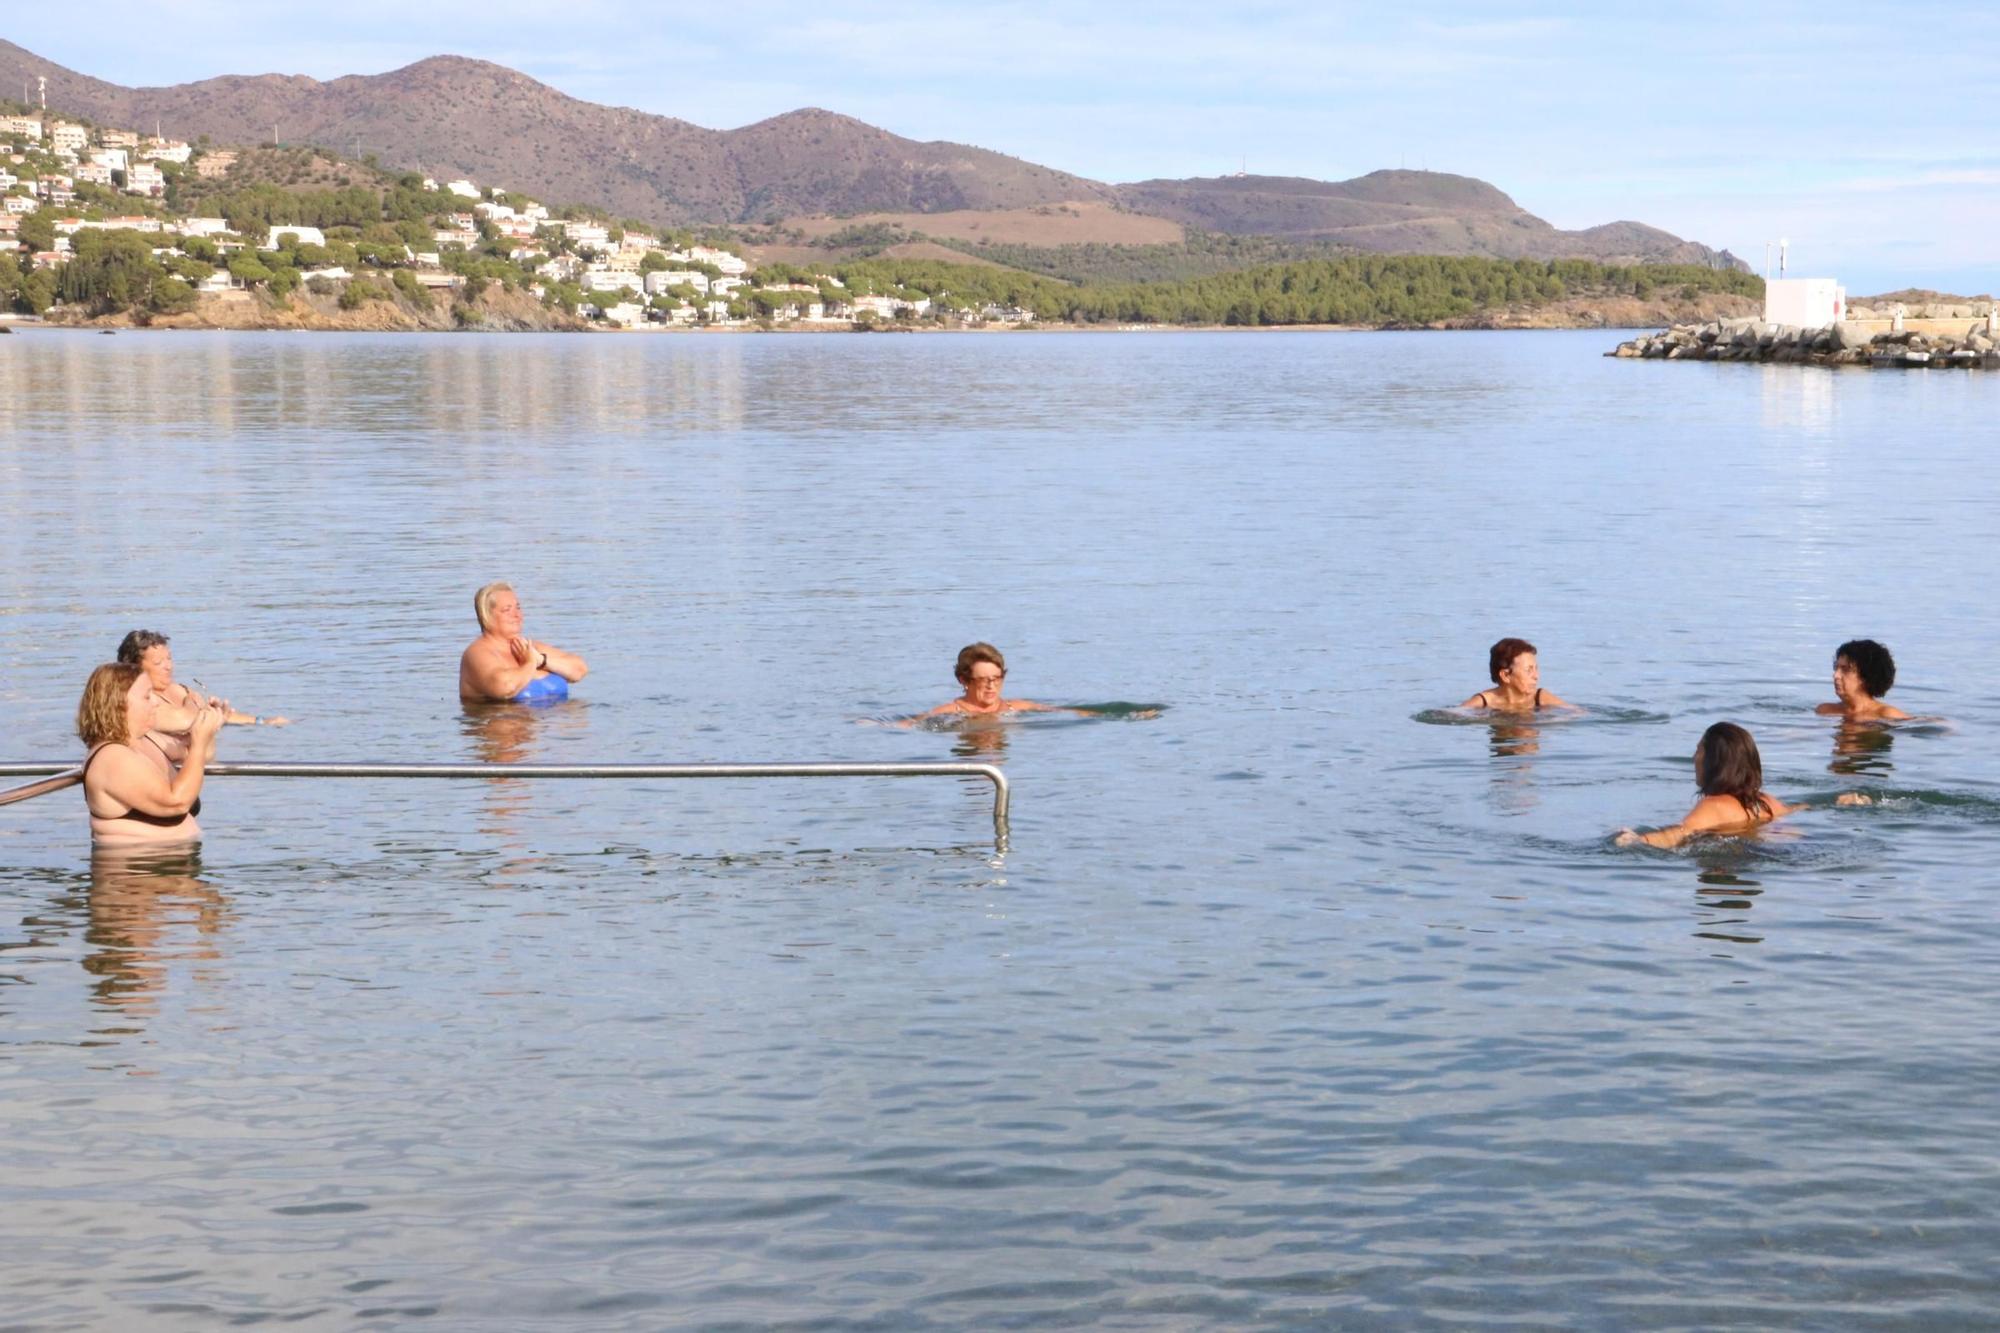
(1299, 1004)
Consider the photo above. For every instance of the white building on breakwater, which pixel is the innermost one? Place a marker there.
(1804, 303)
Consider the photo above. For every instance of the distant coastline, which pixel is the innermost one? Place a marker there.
(501, 311)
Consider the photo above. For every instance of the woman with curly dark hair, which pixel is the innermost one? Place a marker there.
(1863, 671)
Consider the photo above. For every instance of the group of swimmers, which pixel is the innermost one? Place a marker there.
(151, 738)
(1728, 771)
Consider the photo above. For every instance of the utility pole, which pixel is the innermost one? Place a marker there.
(42, 82)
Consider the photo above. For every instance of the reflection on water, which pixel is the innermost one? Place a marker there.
(510, 733)
(1725, 900)
(145, 910)
(981, 739)
(1513, 742)
(1862, 748)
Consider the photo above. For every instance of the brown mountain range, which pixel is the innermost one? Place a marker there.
(451, 116)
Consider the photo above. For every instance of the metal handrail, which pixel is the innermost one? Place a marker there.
(66, 775)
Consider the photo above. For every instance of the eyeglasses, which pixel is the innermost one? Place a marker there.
(986, 680)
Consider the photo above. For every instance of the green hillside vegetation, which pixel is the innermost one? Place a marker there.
(1200, 255)
(1353, 289)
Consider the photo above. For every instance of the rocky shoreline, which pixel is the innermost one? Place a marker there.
(1972, 347)
(495, 310)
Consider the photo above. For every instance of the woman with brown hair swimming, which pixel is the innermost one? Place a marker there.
(1729, 773)
(981, 670)
(1517, 681)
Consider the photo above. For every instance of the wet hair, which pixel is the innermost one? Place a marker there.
(482, 601)
(100, 714)
(1503, 654)
(974, 653)
(1726, 763)
(1872, 660)
(132, 648)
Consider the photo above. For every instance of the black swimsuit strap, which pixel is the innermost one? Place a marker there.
(140, 816)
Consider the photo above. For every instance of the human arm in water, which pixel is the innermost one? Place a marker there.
(497, 672)
(1723, 814)
(177, 715)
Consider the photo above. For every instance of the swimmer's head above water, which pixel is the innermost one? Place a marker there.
(497, 602)
(112, 710)
(1500, 658)
(1866, 663)
(1863, 671)
(1517, 678)
(981, 670)
(1726, 763)
(149, 649)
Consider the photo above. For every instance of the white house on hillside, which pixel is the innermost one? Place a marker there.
(722, 259)
(145, 179)
(663, 279)
(306, 235)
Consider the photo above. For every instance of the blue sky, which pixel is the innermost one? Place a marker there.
(1859, 131)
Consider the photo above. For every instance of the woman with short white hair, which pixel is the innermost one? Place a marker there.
(503, 665)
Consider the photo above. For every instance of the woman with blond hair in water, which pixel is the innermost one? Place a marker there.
(504, 665)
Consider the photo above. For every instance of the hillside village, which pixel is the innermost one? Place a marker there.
(94, 221)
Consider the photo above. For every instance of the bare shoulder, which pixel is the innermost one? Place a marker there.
(120, 773)
(1550, 699)
(1717, 812)
(1476, 701)
(1893, 713)
(1029, 706)
(115, 758)
(1829, 710)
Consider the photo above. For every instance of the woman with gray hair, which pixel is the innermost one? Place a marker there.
(150, 651)
(503, 665)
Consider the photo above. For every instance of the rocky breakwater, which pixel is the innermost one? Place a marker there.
(1970, 347)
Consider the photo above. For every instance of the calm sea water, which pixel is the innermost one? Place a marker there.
(1297, 1005)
